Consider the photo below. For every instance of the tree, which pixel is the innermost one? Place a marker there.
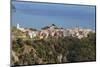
(88, 52)
(33, 29)
(45, 28)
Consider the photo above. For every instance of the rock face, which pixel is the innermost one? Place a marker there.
(16, 59)
(60, 58)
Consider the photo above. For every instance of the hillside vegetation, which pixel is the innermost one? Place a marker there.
(27, 51)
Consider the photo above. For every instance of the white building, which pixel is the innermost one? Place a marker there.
(32, 34)
(21, 29)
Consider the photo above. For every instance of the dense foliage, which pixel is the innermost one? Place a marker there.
(53, 50)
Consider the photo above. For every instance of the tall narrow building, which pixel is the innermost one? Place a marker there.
(18, 26)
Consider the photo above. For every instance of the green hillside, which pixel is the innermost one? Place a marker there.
(52, 50)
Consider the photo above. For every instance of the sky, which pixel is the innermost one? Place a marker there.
(37, 15)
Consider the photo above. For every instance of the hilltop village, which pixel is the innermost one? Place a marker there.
(52, 44)
(53, 31)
